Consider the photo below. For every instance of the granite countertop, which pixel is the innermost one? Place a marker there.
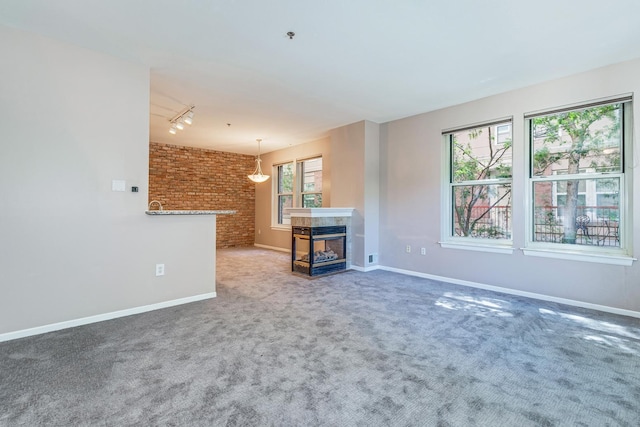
(196, 212)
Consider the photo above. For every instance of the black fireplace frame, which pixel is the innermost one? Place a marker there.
(314, 234)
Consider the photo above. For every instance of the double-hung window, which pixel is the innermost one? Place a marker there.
(478, 193)
(284, 192)
(297, 184)
(310, 175)
(578, 189)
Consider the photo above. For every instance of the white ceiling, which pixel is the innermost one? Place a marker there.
(350, 59)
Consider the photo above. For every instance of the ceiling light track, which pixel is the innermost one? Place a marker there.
(179, 120)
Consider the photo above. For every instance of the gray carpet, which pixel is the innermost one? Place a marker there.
(352, 349)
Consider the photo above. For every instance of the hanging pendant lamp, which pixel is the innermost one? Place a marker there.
(257, 175)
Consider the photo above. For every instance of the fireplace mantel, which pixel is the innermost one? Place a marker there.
(320, 212)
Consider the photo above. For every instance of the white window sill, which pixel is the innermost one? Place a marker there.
(281, 228)
(581, 256)
(478, 247)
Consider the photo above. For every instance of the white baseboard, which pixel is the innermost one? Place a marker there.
(533, 295)
(365, 269)
(273, 248)
(102, 317)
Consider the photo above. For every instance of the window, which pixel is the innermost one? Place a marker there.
(310, 173)
(577, 179)
(296, 184)
(479, 185)
(284, 193)
(503, 133)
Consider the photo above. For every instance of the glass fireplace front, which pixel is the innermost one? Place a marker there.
(318, 250)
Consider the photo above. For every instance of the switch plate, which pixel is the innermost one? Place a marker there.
(159, 269)
(118, 185)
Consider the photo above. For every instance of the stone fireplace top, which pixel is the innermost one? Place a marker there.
(319, 212)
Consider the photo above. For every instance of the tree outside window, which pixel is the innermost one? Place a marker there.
(480, 182)
(576, 175)
(284, 191)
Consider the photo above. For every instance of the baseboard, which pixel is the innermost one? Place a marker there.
(273, 248)
(102, 317)
(364, 269)
(533, 295)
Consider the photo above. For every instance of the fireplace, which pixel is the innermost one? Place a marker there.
(318, 250)
(320, 240)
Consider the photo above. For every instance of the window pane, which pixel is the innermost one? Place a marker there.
(312, 175)
(284, 202)
(312, 200)
(477, 156)
(573, 218)
(482, 211)
(285, 178)
(578, 141)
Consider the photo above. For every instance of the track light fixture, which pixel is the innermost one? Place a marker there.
(257, 175)
(188, 119)
(179, 120)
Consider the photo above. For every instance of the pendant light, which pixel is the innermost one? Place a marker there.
(257, 175)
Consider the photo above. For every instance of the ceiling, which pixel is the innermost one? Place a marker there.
(349, 60)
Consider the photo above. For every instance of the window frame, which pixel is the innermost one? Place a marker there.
(301, 180)
(278, 194)
(296, 193)
(448, 237)
(590, 253)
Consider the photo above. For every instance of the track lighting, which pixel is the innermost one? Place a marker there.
(188, 119)
(179, 120)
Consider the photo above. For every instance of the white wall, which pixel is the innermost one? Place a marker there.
(72, 120)
(411, 186)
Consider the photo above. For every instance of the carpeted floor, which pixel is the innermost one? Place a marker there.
(352, 349)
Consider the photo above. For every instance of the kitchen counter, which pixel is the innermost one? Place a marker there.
(194, 212)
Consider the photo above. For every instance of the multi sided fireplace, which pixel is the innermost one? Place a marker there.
(318, 250)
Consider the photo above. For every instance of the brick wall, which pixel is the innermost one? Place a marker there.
(184, 178)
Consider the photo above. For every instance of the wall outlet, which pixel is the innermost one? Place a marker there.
(423, 251)
(408, 249)
(373, 258)
(159, 269)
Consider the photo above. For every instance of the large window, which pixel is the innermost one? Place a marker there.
(284, 192)
(297, 184)
(577, 179)
(479, 184)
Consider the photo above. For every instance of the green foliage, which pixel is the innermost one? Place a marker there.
(476, 161)
(574, 140)
(583, 138)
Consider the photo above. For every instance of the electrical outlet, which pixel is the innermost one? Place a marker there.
(408, 249)
(423, 251)
(159, 269)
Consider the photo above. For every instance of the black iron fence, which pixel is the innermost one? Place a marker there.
(484, 222)
(594, 225)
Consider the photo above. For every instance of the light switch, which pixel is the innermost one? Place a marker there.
(118, 185)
